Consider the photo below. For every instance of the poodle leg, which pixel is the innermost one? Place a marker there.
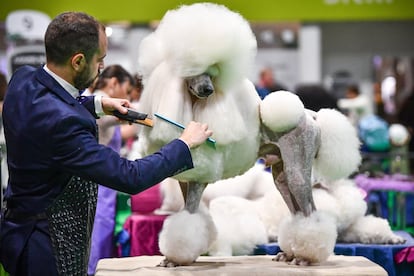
(298, 148)
(272, 156)
(183, 186)
(192, 192)
(292, 175)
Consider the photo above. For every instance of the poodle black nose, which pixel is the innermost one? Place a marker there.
(207, 90)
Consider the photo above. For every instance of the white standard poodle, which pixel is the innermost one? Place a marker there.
(195, 67)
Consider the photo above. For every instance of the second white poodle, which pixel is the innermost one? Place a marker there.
(342, 215)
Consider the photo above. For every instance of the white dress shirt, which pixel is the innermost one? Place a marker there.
(74, 92)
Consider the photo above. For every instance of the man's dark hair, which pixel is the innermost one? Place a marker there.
(70, 33)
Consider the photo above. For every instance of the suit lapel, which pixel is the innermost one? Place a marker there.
(48, 81)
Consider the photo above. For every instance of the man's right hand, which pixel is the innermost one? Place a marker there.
(111, 104)
(195, 134)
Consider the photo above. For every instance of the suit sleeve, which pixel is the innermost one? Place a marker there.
(89, 103)
(77, 152)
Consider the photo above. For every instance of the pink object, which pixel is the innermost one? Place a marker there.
(405, 255)
(142, 225)
(144, 231)
(147, 201)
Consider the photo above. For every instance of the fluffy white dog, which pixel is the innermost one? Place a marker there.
(339, 200)
(194, 67)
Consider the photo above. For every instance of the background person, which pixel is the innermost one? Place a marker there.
(114, 82)
(267, 83)
(355, 104)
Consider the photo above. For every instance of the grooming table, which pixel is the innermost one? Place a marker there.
(380, 254)
(237, 265)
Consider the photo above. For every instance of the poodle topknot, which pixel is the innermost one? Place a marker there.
(198, 38)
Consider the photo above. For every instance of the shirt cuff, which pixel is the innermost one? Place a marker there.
(98, 106)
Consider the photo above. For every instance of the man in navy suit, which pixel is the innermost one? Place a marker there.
(55, 160)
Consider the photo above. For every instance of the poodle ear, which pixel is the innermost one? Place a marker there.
(151, 54)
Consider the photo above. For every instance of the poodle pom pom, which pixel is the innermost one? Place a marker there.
(338, 155)
(310, 238)
(281, 111)
(185, 236)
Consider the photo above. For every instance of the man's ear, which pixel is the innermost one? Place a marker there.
(78, 62)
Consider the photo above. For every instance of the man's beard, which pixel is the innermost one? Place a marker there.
(83, 80)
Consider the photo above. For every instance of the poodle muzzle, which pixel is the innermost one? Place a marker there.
(200, 86)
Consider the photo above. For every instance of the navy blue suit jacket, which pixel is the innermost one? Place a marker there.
(50, 137)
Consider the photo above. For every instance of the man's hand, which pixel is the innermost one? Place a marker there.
(111, 104)
(195, 134)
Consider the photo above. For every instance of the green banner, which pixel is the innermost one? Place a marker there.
(142, 11)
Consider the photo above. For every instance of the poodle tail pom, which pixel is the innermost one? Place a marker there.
(281, 111)
(339, 154)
